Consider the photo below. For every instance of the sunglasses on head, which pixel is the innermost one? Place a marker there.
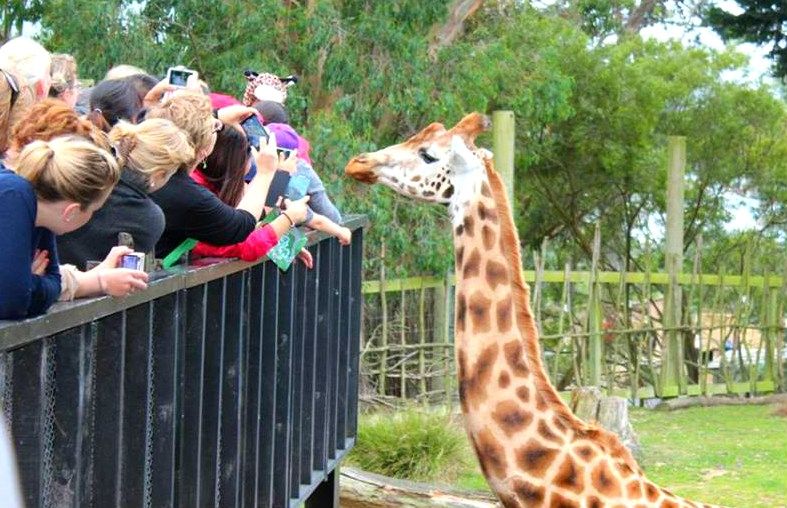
(12, 84)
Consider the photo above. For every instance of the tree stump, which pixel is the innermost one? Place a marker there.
(360, 489)
(612, 413)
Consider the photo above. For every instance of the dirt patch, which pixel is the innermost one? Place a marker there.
(780, 410)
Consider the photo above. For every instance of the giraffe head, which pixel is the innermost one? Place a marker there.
(433, 165)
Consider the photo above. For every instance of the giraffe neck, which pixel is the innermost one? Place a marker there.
(532, 449)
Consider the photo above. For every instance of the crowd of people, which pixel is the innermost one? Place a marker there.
(137, 164)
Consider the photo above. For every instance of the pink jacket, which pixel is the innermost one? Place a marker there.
(255, 246)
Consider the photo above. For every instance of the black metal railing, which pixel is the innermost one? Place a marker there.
(233, 384)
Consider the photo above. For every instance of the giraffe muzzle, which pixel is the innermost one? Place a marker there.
(361, 168)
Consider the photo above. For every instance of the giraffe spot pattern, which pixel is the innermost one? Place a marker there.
(603, 480)
(478, 312)
(559, 424)
(669, 504)
(485, 190)
(558, 501)
(510, 417)
(569, 477)
(634, 489)
(461, 311)
(416, 178)
(515, 358)
(469, 224)
(460, 254)
(584, 452)
(460, 229)
(496, 274)
(488, 236)
(523, 392)
(546, 432)
(529, 494)
(535, 458)
(504, 380)
(473, 384)
(541, 403)
(491, 454)
(651, 491)
(448, 192)
(472, 268)
(503, 309)
(594, 502)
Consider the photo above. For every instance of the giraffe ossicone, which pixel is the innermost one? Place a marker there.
(532, 450)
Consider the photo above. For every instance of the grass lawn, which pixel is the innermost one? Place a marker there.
(731, 455)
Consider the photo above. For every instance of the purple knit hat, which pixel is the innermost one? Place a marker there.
(286, 137)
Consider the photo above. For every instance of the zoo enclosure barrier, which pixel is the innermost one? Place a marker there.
(597, 328)
(232, 384)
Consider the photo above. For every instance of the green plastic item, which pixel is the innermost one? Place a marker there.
(174, 256)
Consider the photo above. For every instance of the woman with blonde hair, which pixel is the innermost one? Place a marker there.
(16, 98)
(194, 212)
(55, 188)
(64, 79)
(149, 153)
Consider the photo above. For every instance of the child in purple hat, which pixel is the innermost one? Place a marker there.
(323, 214)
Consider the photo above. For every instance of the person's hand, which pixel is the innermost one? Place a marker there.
(296, 210)
(288, 163)
(155, 94)
(40, 262)
(121, 282)
(235, 113)
(344, 235)
(113, 258)
(306, 258)
(266, 158)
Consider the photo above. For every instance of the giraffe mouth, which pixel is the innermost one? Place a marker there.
(361, 169)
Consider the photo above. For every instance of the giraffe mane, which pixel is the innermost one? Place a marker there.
(525, 321)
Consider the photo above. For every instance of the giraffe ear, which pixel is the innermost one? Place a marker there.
(471, 126)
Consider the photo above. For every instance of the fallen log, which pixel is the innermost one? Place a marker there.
(720, 400)
(361, 489)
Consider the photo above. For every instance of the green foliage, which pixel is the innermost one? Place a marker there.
(592, 117)
(761, 22)
(410, 444)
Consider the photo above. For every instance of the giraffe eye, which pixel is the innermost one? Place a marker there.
(426, 157)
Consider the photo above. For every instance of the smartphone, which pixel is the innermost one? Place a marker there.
(278, 188)
(178, 76)
(254, 130)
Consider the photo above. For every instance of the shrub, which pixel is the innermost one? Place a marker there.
(410, 444)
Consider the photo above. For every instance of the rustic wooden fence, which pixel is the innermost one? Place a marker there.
(625, 332)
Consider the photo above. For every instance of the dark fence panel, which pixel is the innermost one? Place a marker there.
(231, 384)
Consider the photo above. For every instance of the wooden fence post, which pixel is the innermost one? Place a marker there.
(503, 138)
(440, 336)
(672, 369)
(595, 317)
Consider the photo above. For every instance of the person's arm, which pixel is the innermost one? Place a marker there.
(320, 202)
(261, 240)
(22, 293)
(267, 159)
(326, 225)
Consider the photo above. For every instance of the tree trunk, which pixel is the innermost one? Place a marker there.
(360, 489)
(609, 412)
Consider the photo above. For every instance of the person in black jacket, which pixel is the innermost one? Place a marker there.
(149, 153)
(192, 211)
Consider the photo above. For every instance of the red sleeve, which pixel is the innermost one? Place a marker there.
(255, 246)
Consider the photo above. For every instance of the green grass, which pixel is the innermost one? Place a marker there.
(413, 444)
(731, 455)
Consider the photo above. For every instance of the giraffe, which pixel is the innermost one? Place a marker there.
(532, 450)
